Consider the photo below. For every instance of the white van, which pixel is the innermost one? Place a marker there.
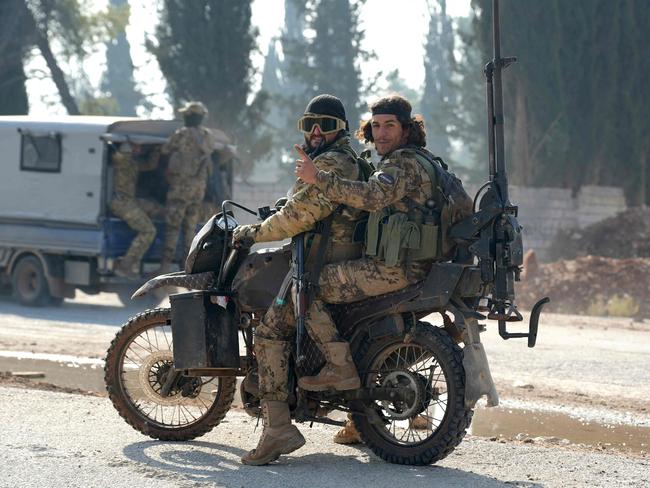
(56, 233)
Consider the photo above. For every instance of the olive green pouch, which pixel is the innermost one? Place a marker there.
(428, 249)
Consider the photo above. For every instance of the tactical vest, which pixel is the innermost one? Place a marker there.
(420, 234)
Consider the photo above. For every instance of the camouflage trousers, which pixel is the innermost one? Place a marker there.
(130, 211)
(183, 210)
(343, 282)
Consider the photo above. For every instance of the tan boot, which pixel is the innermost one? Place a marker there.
(339, 373)
(126, 268)
(420, 423)
(348, 434)
(279, 436)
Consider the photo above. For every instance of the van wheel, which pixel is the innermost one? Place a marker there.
(29, 283)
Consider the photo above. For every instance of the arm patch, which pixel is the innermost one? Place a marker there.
(386, 179)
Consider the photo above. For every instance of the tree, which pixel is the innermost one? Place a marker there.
(287, 92)
(29, 23)
(577, 99)
(335, 52)
(439, 99)
(204, 51)
(118, 78)
(470, 121)
(14, 42)
(328, 60)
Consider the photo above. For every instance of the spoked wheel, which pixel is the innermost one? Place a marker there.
(427, 423)
(149, 394)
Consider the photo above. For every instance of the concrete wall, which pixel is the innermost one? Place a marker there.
(542, 211)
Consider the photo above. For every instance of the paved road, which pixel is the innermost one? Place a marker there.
(587, 367)
(65, 440)
(584, 358)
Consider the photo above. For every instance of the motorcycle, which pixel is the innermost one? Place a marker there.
(171, 373)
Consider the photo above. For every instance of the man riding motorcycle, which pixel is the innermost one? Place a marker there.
(397, 195)
(327, 141)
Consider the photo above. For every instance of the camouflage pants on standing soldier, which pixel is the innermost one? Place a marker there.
(128, 209)
(183, 212)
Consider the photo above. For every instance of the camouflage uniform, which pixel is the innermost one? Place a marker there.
(124, 205)
(189, 165)
(398, 175)
(306, 206)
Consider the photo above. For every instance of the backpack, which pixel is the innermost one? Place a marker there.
(456, 202)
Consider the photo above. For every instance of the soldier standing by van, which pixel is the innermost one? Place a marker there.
(123, 204)
(189, 149)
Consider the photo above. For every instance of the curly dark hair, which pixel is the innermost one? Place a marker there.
(396, 103)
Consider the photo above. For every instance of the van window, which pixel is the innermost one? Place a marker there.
(40, 152)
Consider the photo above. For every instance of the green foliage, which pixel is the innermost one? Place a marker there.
(616, 306)
(14, 42)
(439, 99)
(70, 22)
(118, 78)
(396, 84)
(98, 106)
(321, 48)
(623, 306)
(287, 92)
(597, 307)
(333, 55)
(471, 118)
(576, 103)
(327, 60)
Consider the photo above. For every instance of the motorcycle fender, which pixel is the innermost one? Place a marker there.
(478, 379)
(391, 325)
(198, 281)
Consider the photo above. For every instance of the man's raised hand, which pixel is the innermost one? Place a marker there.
(305, 168)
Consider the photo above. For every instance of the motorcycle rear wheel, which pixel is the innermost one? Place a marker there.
(137, 362)
(431, 365)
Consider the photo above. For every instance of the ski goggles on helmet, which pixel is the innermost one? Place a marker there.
(326, 124)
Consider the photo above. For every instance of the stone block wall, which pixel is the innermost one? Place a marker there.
(544, 211)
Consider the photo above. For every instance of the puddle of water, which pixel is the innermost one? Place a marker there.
(508, 423)
(64, 374)
(487, 422)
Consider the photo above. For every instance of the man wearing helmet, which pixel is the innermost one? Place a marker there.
(189, 150)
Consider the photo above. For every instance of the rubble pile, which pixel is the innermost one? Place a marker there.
(592, 285)
(625, 235)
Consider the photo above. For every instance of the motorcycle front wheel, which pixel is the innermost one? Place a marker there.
(428, 426)
(138, 364)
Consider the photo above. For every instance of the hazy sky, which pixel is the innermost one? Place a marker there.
(383, 22)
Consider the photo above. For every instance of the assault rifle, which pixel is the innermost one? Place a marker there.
(492, 233)
(302, 292)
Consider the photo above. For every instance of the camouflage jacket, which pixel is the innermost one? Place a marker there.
(398, 175)
(125, 171)
(189, 149)
(307, 205)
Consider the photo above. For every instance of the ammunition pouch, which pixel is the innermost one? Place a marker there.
(395, 239)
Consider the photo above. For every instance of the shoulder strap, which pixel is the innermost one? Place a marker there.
(366, 168)
(319, 260)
